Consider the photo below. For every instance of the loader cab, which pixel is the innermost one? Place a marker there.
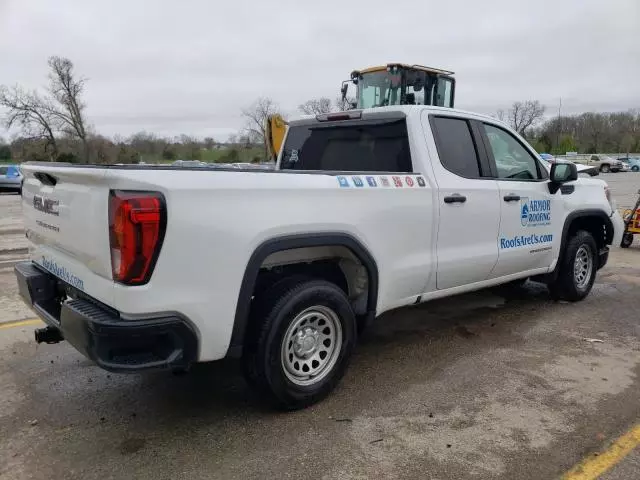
(400, 84)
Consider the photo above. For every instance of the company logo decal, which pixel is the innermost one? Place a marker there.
(525, 240)
(534, 213)
(62, 273)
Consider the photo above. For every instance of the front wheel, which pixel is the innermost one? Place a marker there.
(627, 240)
(577, 268)
(300, 340)
(605, 168)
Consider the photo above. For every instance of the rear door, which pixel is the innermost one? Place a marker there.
(530, 215)
(468, 205)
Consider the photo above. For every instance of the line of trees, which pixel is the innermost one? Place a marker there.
(53, 127)
(588, 132)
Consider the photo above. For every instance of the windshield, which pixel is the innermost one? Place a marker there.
(377, 89)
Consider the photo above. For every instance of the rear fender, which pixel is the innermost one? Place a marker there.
(289, 242)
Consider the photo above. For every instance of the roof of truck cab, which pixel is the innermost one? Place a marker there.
(390, 110)
(380, 68)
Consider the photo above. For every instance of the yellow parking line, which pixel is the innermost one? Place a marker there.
(20, 323)
(597, 464)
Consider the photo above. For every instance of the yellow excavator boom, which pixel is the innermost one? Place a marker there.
(275, 130)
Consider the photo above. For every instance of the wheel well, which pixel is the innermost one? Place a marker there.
(335, 257)
(336, 264)
(596, 226)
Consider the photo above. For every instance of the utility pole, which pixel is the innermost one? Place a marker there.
(559, 124)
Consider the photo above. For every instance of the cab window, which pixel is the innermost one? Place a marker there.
(456, 148)
(512, 160)
(350, 146)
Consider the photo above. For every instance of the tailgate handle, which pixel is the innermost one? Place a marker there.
(46, 178)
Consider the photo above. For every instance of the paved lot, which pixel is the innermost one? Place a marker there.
(486, 385)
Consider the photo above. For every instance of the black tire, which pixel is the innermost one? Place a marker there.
(567, 285)
(635, 168)
(605, 168)
(627, 240)
(264, 360)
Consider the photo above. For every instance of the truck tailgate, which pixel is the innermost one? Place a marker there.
(66, 220)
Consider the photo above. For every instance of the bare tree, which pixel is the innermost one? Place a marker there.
(33, 114)
(316, 106)
(347, 104)
(209, 143)
(523, 115)
(66, 90)
(256, 117)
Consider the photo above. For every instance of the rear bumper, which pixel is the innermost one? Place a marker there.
(99, 332)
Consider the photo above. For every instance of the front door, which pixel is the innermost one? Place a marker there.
(529, 214)
(466, 247)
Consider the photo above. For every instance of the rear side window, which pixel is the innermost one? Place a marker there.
(456, 148)
(351, 146)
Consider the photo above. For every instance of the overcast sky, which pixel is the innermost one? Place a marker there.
(189, 67)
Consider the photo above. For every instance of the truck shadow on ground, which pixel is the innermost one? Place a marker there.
(430, 334)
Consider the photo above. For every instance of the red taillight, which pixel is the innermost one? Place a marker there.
(137, 222)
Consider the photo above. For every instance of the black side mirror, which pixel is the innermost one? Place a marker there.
(562, 173)
(344, 89)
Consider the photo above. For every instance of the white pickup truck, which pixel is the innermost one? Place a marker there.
(142, 267)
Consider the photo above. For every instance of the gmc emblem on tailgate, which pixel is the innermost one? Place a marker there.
(46, 205)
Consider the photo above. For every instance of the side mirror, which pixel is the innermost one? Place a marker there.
(344, 89)
(562, 173)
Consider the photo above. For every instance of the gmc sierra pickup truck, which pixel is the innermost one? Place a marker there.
(142, 267)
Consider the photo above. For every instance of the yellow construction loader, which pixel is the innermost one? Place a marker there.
(400, 84)
(390, 84)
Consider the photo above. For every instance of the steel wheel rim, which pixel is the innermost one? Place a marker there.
(583, 267)
(311, 345)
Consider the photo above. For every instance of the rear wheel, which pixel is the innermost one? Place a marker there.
(635, 168)
(627, 240)
(605, 168)
(301, 338)
(577, 268)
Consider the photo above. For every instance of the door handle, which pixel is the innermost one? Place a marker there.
(455, 198)
(511, 198)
